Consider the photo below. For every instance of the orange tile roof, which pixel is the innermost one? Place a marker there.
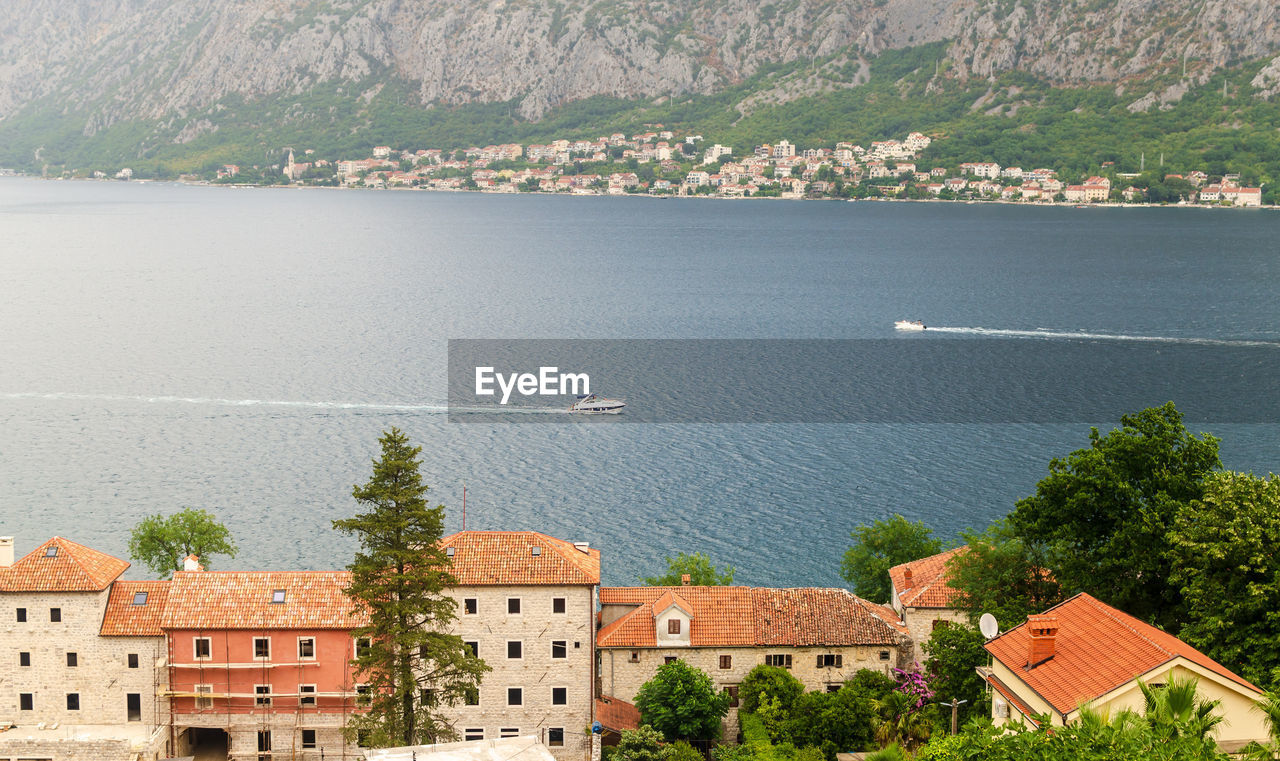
(615, 714)
(75, 568)
(1097, 649)
(242, 600)
(124, 619)
(754, 617)
(929, 587)
(506, 557)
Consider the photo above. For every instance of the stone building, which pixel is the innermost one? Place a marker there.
(923, 599)
(526, 603)
(80, 656)
(823, 636)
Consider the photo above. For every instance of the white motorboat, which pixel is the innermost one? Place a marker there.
(597, 405)
(909, 325)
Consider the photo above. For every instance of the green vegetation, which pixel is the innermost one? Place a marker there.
(1020, 120)
(161, 542)
(955, 652)
(880, 546)
(701, 571)
(412, 665)
(682, 703)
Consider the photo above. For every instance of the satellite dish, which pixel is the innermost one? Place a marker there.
(988, 626)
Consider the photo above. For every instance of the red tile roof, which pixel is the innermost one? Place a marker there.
(242, 600)
(124, 619)
(1097, 649)
(928, 587)
(616, 715)
(75, 568)
(507, 558)
(754, 617)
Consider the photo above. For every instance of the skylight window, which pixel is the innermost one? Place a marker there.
(51, 551)
(448, 551)
(139, 598)
(537, 551)
(277, 596)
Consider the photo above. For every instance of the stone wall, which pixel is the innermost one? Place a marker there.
(920, 622)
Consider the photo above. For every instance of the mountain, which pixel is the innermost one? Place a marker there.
(133, 78)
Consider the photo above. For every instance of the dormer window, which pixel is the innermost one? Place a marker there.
(51, 551)
(277, 597)
(139, 598)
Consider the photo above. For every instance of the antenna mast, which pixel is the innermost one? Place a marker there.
(464, 507)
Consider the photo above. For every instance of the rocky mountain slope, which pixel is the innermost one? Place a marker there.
(170, 61)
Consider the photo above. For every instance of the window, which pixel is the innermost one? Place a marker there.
(559, 696)
(515, 696)
(262, 648)
(262, 694)
(474, 647)
(362, 646)
(884, 655)
(55, 615)
(635, 656)
(426, 696)
(133, 660)
(509, 732)
(834, 687)
(732, 689)
(26, 702)
(555, 737)
(204, 689)
(51, 551)
(515, 649)
(673, 626)
(139, 598)
(830, 660)
(24, 659)
(364, 695)
(780, 660)
(471, 697)
(726, 661)
(306, 648)
(22, 615)
(306, 694)
(469, 606)
(264, 740)
(133, 706)
(203, 647)
(73, 701)
(557, 605)
(513, 606)
(362, 738)
(670, 659)
(72, 660)
(938, 623)
(559, 649)
(308, 739)
(473, 734)
(277, 597)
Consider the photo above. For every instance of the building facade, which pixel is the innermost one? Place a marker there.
(921, 595)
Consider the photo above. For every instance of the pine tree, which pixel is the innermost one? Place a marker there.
(412, 666)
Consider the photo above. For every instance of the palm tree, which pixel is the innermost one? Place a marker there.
(1175, 710)
(902, 722)
(1269, 707)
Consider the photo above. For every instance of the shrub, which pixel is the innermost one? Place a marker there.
(769, 681)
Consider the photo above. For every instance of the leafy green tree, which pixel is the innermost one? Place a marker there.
(955, 652)
(880, 546)
(702, 573)
(413, 666)
(1103, 512)
(768, 682)
(682, 703)
(1002, 575)
(162, 542)
(1223, 552)
(845, 719)
(642, 744)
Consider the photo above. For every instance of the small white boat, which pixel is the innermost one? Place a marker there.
(909, 325)
(597, 405)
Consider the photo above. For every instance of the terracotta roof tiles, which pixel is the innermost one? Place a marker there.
(1097, 649)
(72, 568)
(615, 714)
(124, 618)
(507, 557)
(243, 600)
(929, 577)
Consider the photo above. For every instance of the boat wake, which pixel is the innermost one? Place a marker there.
(281, 403)
(999, 332)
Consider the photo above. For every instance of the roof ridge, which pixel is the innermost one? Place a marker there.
(1106, 610)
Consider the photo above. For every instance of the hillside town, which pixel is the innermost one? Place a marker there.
(257, 664)
(658, 163)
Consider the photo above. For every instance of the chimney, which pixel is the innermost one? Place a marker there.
(684, 580)
(907, 577)
(192, 563)
(1044, 636)
(6, 551)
